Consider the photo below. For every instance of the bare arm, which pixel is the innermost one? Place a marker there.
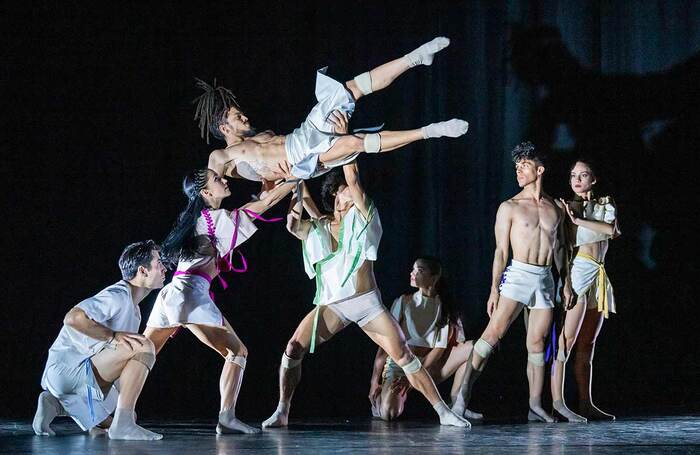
(500, 255)
(309, 203)
(352, 178)
(601, 227)
(270, 199)
(77, 319)
(295, 225)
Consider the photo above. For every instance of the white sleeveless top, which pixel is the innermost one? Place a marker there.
(419, 316)
(601, 209)
(336, 271)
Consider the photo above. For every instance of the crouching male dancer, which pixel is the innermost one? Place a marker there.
(98, 344)
(314, 147)
(531, 224)
(339, 252)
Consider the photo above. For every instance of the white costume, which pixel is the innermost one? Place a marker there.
(531, 285)
(316, 136)
(336, 271)
(419, 317)
(588, 276)
(186, 299)
(68, 373)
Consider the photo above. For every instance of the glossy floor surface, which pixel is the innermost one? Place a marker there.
(629, 436)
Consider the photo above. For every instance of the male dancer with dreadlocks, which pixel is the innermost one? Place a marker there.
(202, 242)
(530, 223)
(316, 146)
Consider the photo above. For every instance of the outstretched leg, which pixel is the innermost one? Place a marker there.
(387, 141)
(382, 76)
(290, 367)
(539, 323)
(572, 324)
(231, 348)
(503, 316)
(583, 365)
(385, 331)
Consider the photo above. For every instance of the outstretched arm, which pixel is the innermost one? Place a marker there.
(352, 178)
(270, 199)
(500, 255)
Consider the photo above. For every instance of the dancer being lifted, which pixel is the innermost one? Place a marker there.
(316, 146)
(202, 242)
(530, 223)
(339, 251)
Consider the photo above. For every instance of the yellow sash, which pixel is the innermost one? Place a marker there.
(602, 295)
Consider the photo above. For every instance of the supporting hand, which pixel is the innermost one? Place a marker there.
(339, 120)
(492, 303)
(132, 341)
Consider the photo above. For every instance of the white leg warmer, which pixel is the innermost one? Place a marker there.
(482, 348)
(372, 143)
(536, 358)
(288, 362)
(364, 83)
(237, 359)
(412, 367)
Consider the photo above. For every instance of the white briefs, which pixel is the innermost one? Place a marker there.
(360, 309)
(531, 285)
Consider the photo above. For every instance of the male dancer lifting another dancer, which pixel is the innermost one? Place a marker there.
(98, 344)
(339, 252)
(314, 147)
(531, 225)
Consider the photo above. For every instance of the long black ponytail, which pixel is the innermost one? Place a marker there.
(180, 242)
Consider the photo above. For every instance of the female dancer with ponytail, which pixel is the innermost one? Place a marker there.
(434, 333)
(594, 223)
(202, 242)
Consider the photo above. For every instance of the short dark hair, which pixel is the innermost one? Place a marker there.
(329, 188)
(136, 255)
(526, 151)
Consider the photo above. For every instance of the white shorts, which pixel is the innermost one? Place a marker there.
(76, 389)
(360, 309)
(315, 135)
(531, 285)
(185, 300)
(585, 274)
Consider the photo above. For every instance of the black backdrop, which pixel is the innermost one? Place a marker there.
(98, 132)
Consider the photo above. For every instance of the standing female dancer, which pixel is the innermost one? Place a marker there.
(593, 223)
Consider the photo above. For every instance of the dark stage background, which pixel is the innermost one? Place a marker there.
(98, 132)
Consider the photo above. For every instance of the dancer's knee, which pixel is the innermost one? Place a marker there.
(145, 354)
(146, 347)
(295, 349)
(535, 345)
(390, 411)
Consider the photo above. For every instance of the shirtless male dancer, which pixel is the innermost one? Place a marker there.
(316, 146)
(530, 224)
(339, 251)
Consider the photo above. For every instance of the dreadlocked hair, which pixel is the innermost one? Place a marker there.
(450, 314)
(181, 241)
(526, 151)
(212, 107)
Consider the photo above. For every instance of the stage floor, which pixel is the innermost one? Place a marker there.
(632, 435)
